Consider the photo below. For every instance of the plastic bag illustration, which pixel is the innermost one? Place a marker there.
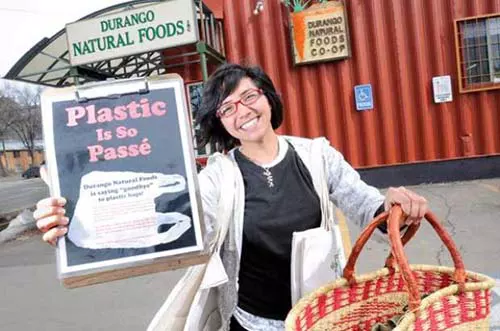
(117, 210)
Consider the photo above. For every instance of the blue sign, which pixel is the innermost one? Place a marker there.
(364, 97)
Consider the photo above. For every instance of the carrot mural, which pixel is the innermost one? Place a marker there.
(299, 32)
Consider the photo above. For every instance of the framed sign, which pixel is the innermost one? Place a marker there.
(320, 33)
(121, 154)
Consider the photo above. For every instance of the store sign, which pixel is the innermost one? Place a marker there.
(139, 30)
(320, 33)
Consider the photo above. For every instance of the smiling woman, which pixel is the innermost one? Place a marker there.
(278, 193)
(255, 197)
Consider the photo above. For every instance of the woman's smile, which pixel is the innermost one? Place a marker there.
(248, 125)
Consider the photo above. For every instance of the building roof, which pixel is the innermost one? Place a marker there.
(17, 145)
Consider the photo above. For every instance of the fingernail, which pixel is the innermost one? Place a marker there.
(64, 230)
(61, 201)
(62, 211)
(65, 220)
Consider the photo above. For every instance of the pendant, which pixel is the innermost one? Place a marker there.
(269, 177)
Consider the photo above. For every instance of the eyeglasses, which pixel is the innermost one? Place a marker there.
(248, 99)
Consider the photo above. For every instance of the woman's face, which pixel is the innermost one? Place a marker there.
(251, 122)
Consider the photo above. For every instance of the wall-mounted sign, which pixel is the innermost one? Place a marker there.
(142, 29)
(363, 96)
(441, 86)
(320, 33)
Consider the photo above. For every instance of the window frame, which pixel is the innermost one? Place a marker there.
(474, 87)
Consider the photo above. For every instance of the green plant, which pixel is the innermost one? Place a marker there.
(296, 5)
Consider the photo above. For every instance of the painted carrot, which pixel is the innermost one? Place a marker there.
(299, 32)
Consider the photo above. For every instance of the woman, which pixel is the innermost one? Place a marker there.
(239, 113)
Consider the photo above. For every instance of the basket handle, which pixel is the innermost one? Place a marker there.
(363, 238)
(393, 216)
(393, 224)
(409, 234)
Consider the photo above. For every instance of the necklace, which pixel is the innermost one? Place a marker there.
(267, 173)
(269, 177)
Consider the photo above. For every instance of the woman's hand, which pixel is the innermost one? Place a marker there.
(414, 206)
(50, 219)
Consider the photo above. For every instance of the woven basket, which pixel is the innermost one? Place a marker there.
(455, 299)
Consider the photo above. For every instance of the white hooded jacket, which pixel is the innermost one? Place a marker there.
(206, 297)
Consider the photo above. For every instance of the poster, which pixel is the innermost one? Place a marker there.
(121, 153)
(441, 86)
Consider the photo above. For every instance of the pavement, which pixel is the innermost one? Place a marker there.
(17, 194)
(18, 197)
(35, 299)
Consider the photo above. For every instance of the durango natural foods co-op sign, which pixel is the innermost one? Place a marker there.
(148, 28)
(320, 33)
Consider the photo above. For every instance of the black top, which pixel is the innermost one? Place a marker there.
(278, 202)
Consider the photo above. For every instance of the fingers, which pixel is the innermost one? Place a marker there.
(43, 212)
(49, 222)
(50, 219)
(424, 207)
(412, 204)
(418, 205)
(53, 234)
(52, 201)
(48, 207)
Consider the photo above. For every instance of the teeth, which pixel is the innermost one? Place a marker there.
(249, 124)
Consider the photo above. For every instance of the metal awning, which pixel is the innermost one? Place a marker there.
(47, 63)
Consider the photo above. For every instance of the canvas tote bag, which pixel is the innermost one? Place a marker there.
(318, 256)
(192, 304)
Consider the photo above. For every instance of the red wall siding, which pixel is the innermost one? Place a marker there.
(397, 46)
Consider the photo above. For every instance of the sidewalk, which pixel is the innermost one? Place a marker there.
(470, 211)
(10, 178)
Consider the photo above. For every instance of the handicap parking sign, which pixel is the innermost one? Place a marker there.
(364, 97)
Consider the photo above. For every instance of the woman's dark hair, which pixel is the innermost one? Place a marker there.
(218, 87)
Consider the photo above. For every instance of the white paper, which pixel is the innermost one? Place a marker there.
(442, 89)
(117, 210)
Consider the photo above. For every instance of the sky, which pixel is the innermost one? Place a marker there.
(23, 23)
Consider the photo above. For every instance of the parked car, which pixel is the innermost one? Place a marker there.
(31, 172)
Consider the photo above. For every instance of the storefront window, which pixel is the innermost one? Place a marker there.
(479, 53)
(194, 92)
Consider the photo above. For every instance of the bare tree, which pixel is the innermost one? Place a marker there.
(8, 116)
(27, 120)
